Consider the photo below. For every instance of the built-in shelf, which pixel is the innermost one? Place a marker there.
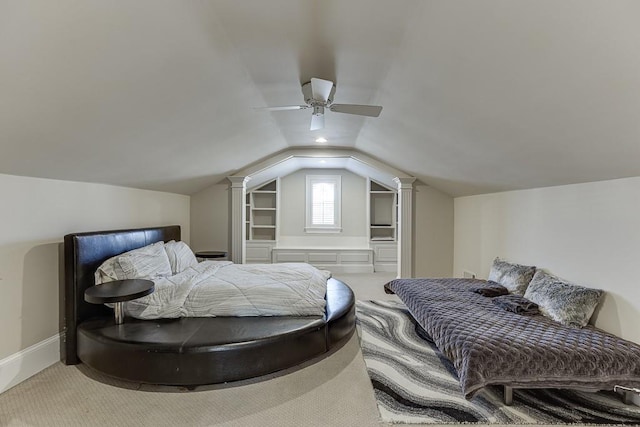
(262, 212)
(383, 212)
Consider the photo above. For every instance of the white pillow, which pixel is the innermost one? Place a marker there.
(180, 256)
(148, 262)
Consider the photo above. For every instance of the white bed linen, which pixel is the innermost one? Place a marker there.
(221, 288)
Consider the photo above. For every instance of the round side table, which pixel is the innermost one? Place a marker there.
(211, 254)
(117, 292)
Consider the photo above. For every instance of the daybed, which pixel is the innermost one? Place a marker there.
(490, 345)
(186, 351)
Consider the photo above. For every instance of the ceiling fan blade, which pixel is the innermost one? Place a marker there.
(360, 110)
(283, 108)
(317, 122)
(321, 89)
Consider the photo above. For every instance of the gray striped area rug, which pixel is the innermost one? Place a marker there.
(414, 383)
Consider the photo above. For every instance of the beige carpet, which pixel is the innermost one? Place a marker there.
(334, 391)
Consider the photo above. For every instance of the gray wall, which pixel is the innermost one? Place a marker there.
(37, 213)
(432, 232)
(293, 199)
(432, 221)
(210, 220)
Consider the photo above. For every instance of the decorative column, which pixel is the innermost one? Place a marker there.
(238, 217)
(405, 232)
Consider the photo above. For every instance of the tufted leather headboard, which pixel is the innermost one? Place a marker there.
(83, 254)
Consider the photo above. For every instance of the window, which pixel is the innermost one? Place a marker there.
(323, 204)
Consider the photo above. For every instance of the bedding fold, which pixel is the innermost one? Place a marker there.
(491, 289)
(516, 304)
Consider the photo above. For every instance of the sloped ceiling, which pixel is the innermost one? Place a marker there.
(478, 96)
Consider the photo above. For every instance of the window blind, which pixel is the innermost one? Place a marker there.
(323, 203)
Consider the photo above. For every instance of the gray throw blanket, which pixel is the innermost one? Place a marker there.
(489, 345)
(491, 289)
(516, 304)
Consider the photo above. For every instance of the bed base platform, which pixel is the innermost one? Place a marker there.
(626, 394)
(186, 351)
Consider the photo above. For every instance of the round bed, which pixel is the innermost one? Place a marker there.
(186, 351)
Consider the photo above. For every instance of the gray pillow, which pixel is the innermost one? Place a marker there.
(562, 301)
(514, 277)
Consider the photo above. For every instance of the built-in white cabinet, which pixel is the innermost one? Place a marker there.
(263, 243)
(336, 260)
(385, 256)
(383, 213)
(259, 252)
(262, 212)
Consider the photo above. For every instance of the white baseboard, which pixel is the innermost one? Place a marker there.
(24, 364)
(387, 268)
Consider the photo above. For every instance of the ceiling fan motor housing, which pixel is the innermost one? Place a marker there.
(308, 95)
(318, 110)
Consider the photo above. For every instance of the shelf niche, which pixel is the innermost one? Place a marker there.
(383, 213)
(261, 207)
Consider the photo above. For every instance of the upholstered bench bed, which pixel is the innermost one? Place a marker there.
(491, 345)
(187, 351)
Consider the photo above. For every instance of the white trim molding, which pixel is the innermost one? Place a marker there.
(405, 233)
(336, 260)
(296, 158)
(336, 182)
(26, 363)
(238, 217)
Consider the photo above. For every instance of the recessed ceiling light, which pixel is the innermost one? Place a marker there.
(323, 161)
(321, 140)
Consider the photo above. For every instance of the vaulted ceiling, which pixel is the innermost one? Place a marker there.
(478, 96)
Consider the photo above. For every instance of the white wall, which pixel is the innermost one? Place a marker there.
(586, 233)
(35, 215)
(292, 211)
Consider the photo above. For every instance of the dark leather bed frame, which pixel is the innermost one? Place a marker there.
(185, 351)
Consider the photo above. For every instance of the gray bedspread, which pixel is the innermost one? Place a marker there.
(489, 345)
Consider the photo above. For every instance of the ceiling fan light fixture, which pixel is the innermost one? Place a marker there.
(318, 95)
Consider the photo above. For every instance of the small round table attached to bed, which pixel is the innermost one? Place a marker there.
(211, 254)
(117, 292)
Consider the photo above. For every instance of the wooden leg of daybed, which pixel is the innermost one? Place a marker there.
(508, 395)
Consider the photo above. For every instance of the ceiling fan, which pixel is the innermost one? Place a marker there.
(318, 95)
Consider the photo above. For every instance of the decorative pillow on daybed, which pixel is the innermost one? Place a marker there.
(148, 262)
(180, 256)
(562, 301)
(514, 277)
